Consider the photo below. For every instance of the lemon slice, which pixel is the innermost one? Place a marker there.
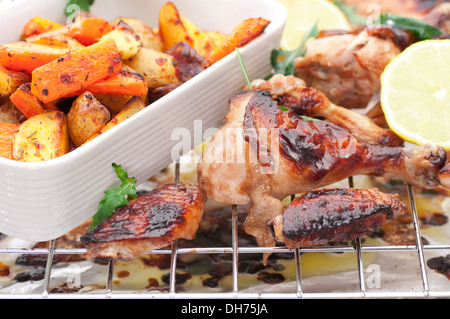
(415, 93)
(302, 14)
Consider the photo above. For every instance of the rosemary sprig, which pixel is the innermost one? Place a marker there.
(244, 72)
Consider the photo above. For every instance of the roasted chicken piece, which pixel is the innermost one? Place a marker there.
(263, 154)
(347, 67)
(321, 216)
(292, 93)
(152, 220)
(444, 176)
(440, 17)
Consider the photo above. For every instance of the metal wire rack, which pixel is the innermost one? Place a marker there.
(419, 248)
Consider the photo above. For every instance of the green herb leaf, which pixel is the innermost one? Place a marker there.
(244, 72)
(115, 197)
(83, 5)
(307, 118)
(422, 30)
(283, 61)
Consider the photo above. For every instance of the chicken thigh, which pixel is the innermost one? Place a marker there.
(347, 67)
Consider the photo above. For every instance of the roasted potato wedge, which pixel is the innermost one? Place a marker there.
(38, 25)
(216, 37)
(10, 114)
(7, 132)
(85, 117)
(242, 34)
(157, 67)
(41, 137)
(175, 28)
(133, 106)
(114, 102)
(127, 41)
(148, 36)
(11, 80)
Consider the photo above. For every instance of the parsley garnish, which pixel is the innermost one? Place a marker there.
(83, 5)
(283, 61)
(422, 30)
(115, 197)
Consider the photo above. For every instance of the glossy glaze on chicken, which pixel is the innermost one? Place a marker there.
(283, 154)
(321, 216)
(153, 220)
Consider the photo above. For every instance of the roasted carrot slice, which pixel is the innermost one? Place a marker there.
(126, 82)
(26, 102)
(76, 71)
(38, 25)
(7, 132)
(242, 34)
(90, 30)
(25, 57)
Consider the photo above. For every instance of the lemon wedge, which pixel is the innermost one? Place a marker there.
(415, 93)
(302, 14)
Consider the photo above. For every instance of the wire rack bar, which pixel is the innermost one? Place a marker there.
(234, 243)
(48, 267)
(419, 243)
(240, 250)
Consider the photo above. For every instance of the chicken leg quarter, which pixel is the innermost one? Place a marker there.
(263, 154)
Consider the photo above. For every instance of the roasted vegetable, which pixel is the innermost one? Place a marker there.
(10, 114)
(148, 36)
(41, 137)
(88, 31)
(127, 81)
(133, 106)
(93, 74)
(74, 72)
(7, 132)
(189, 62)
(156, 67)
(242, 34)
(26, 57)
(55, 39)
(26, 102)
(86, 116)
(38, 25)
(127, 41)
(114, 102)
(11, 80)
(175, 28)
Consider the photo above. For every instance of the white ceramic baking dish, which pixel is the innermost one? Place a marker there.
(42, 201)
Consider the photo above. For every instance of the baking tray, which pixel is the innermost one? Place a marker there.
(44, 200)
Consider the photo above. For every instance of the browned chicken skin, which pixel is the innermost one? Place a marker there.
(444, 176)
(263, 154)
(347, 67)
(292, 93)
(151, 221)
(321, 216)
(440, 17)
